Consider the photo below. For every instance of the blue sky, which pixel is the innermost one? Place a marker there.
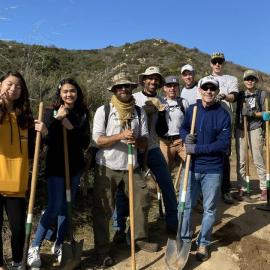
(238, 28)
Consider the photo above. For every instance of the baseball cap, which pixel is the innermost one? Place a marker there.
(171, 79)
(208, 80)
(218, 55)
(187, 67)
(251, 73)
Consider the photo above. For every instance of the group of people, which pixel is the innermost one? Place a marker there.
(158, 127)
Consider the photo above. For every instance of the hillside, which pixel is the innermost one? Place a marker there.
(43, 67)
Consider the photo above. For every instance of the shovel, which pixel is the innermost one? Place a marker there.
(266, 207)
(28, 225)
(72, 250)
(247, 176)
(177, 250)
(131, 202)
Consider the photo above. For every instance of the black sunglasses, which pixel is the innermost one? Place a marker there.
(217, 61)
(120, 86)
(250, 78)
(205, 87)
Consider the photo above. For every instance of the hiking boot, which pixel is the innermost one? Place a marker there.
(16, 266)
(147, 246)
(33, 259)
(105, 260)
(202, 253)
(240, 195)
(227, 198)
(57, 251)
(119, 237)
(263, 195)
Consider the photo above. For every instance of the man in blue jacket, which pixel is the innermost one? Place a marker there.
(207, 147)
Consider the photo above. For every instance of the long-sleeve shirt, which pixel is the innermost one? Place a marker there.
(213, 135)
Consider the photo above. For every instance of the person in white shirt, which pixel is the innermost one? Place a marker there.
(175, 107)
(190, 89)
(228, 86)
(123, 126)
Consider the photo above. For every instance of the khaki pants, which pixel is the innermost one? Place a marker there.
(255, 142)
(171, 148)
(105, 185)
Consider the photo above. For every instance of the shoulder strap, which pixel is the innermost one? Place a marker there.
(107, 109)
(138, 110)
(180, 104)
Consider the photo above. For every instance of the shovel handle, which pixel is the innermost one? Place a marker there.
(188, 160)
(246, 149)
(28, 225)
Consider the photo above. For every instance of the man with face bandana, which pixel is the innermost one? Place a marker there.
(112, 166)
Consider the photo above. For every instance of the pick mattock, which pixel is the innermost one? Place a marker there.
(71, 257)
(177, 250)
(246, 139)
(266, 207)
(28, 225)
(131, 202)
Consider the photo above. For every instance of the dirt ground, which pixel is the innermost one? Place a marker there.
(241, 238)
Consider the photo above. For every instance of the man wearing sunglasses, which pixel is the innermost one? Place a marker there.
(228, 86)
(207, 147)
(123, 127)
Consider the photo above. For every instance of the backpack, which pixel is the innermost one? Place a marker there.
(94, 149)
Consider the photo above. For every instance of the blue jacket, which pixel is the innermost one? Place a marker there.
(213, 135)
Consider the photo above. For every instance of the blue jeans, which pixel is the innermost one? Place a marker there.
(121, 210)
(56, 209)
(209, 185)
(157, 164)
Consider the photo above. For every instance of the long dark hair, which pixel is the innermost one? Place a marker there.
(21, 105)
(79, 105)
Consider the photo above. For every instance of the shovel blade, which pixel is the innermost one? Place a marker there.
(177, 253)
(71, 255)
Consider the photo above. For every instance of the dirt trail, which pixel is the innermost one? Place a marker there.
(241, 238)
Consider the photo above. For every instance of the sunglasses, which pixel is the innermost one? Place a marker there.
(121, 86)
(206, 87)
(251, 78)
(217, 61)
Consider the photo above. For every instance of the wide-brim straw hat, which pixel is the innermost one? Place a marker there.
(121, 79)
(151, 71)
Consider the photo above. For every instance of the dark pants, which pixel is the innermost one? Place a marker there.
(16, 211)
(105, 186)
(226, 185)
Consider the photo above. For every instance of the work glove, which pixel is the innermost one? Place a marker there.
(190, 148)
(220, 97)
(247, 112)
(190, 139)
(266, 116)
(156, 103)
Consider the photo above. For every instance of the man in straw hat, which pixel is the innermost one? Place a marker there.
(112, 164)
(228, 86)
(207, 147)
(151, 80)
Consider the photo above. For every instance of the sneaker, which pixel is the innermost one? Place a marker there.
(16, 266)
(57, 251)
(147, 246)
(202, 253)
(227, 198)
(105, 260)
(263, 195)
(33, 259)
(119, 237)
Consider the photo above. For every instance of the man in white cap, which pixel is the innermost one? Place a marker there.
(112, 133)
(228, 94)
(170, 143)
(207, 147)
(151, 80)
(190, 89)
